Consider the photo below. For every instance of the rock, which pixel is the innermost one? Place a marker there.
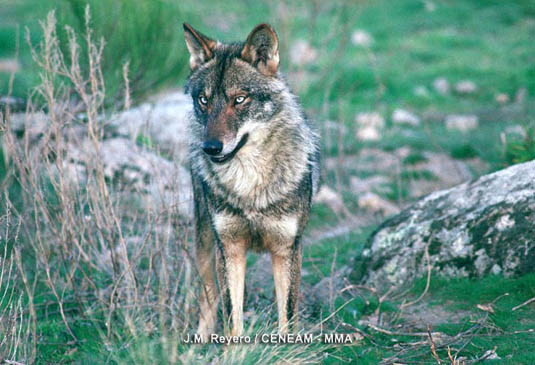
(520, 95)
(402, 152)
(9, 65)
(502, 98)
(372, 119)
(163, 121)
(368, 134)
(441, 85)
(402, 116)
(447, 170)
(474, 229)
(335, 127)
(378, 183)
(361, 38)
(133, 169)
(367, 160)
(369, 125)
(328, 288)
(465, 87)
(421, 90)
(375, 204)
(460, 122)
(430, 6)
(515, 131)
(34, 124)
(328, 196)
(14, 103)
(302, 53)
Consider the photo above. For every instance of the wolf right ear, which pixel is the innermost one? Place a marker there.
(200, 47)
(262, 49)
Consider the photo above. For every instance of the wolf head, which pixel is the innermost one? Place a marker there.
(236, 89)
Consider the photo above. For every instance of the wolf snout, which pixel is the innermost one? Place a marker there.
(212, 147)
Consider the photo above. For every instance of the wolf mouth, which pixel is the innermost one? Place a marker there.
(230, 155)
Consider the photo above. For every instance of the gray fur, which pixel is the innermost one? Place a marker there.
(260, 197)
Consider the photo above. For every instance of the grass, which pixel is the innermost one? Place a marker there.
(487, 42)
(145, 35)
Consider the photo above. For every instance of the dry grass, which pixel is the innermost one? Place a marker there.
(83, 250)
(78, 249)
(13, 320)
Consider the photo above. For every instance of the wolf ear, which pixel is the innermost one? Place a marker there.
(262, 49)
(200, 47)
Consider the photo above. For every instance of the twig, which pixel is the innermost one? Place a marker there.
(531, 300)
(432, 344)
(405, 305)
(331, 291)
(452, 359)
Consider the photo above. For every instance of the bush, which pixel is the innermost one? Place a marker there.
(146, 34)
(520, 150)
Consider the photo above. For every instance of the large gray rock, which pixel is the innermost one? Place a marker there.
(477, 228)
(164, 121)
(157, 181)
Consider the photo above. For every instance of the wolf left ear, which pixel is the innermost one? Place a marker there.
(200, 47)
(262, 49)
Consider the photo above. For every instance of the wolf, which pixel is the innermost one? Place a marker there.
(254, 161)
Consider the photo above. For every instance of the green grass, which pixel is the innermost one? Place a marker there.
(488, 42)
(518, 150)
(414, 158)
(504, 293)
(146, 34)
(318, 258)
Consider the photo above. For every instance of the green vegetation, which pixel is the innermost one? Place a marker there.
(413, 43)
(521, 149)
(146, 35)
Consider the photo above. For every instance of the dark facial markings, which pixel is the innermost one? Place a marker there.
(229, 91)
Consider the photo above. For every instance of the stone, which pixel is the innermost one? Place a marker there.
(520, 95)
(375, 204)
(335, 127)
(368, 134)
(378, 183)
(33, 124)
(421, 91)
(369, 126)
(14, 103)
(461, 122)
(465, 87)
(430, 6)
(471, 230)
(9, 65)
(441, 85)
(360, 37)
(402, 116)
(302, 53)
(164, 121)
(515, 130)
(502, 98)
(328, 196)
(132, 169)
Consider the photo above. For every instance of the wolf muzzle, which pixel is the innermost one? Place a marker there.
(214, 147)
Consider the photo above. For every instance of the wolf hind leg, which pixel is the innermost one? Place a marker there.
(231, 262)
(208, 300)
(287, 277)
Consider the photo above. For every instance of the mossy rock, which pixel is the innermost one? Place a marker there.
(477, 228)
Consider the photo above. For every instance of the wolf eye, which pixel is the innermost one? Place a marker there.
(203, 100)
(239, 99)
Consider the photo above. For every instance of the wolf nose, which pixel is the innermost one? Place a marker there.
(212, 147)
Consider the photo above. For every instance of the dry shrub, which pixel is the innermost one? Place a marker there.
(82, 250)
(13, 320)
(85, 253)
